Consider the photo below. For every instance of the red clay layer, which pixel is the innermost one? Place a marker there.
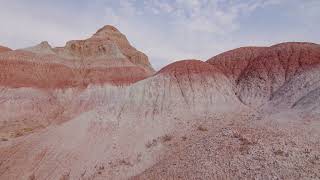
(185, 67)
(4, 49)
(258, 73)
(43, 75)
(287, 57)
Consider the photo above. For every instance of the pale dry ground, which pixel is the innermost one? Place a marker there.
(243, 147)
(213, 146)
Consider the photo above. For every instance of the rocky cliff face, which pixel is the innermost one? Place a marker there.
(107, 43)
(106, 57)
(247, 113)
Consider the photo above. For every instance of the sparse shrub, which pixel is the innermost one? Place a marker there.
(236, 135)
(244, 149)
(139, 157)
(307, 151)
(18, 134)
(125, 162)
(166, 138)
(151, 143)
(315, 159)
(32, 177)
(281, 153)
(22, 132)
(4, 139)
(201, 128)
(101, 167)
(184, 138)
(65, 176)
(27, 129)
(244, 141)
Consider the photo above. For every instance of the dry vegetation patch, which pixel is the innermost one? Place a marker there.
(202, 128)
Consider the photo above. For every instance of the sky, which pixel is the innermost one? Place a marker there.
(166, 30)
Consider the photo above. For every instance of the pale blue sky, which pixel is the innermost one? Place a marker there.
(166, 30)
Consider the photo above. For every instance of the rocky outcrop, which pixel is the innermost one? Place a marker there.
(106, 57)
(42, 48)
(110, 33)
(108, 44)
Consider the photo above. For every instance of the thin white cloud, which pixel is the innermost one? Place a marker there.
(189, 30)
(166, 30)
(213, 16)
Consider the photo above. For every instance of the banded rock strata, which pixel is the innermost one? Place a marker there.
(106, 57)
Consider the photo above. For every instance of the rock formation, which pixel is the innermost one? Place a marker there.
(107, 44)
(95, 109)
(106, 57)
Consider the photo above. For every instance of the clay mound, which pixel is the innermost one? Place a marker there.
(4, 49)
(260, 72)
(185, 67)
(299, 93)
(198, 81)
(233, 62)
